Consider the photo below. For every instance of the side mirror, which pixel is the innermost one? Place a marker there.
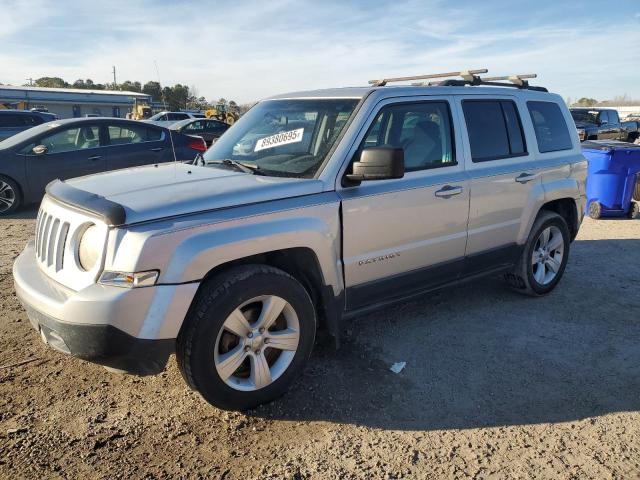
(39, 149)
(378, 163)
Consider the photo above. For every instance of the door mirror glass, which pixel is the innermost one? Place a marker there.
(39, 149)
(378, 163)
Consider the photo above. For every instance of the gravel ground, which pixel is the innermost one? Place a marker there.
(496, 385)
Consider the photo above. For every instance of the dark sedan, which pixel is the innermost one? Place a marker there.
(72, 148)
(207, 128)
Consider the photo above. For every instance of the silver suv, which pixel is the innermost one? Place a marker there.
(314, 207)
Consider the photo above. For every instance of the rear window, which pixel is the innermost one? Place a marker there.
(19, 120)
(551, 129)
(494, 128)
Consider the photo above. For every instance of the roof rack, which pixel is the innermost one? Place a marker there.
(467, 75)
(517, 81)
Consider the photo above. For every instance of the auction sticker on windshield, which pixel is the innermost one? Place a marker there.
(282, 138)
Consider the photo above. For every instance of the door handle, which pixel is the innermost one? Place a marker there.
(448, 191)
(95, 157)
(526, 177)
(157, 149)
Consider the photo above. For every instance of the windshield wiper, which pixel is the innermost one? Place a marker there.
(243, 167)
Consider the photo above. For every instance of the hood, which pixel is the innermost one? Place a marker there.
(158, 191)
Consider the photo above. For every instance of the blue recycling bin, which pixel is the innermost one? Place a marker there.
(612, 178)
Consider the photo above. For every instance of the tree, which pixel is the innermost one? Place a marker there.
(51, 82)
(586, 102)
(130, 86)
(153, 90)
(222, 101)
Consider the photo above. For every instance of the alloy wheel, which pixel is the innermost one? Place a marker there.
(7, 196)
(257, 343)
(546, 258)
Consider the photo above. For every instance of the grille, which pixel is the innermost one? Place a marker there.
(51, 237)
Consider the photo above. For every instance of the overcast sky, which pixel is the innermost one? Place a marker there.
(246, 50)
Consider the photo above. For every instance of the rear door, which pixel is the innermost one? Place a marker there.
(504, 178)
(134, 144)
(70, 152)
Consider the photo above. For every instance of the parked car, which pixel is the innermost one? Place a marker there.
(209, 129)
(174, 116)
(603, 124)
(16, 121)
(352, 199)
(71, 148)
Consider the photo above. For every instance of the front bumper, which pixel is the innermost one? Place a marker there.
(127, 329)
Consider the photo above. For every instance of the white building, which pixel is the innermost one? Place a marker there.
(71, 102)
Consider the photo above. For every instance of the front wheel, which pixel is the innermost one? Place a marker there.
(544, 256)
(247, 337)
(10, 198)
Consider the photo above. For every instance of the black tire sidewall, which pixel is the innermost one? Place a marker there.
(558, 221)
(203, 371)
(18, 195)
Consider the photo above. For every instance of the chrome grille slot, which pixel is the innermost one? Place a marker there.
(45, 238)
(62, 241)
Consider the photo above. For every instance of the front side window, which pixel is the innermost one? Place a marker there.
(78, 138)
(494, 129)
(284, 137)
(551, 129)
(423, 130)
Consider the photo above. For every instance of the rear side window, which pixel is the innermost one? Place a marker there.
(551, 129)
(495, 130)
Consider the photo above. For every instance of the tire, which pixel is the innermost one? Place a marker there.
(525, 276)
(595, 210)
(10, 196)
(636, 191)
(634, 209)
(228, 369)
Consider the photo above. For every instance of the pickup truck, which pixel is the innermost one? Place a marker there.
(603, 124)
(338, 202)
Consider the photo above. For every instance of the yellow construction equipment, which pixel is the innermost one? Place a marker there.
(22, 105)
(223, 113)
(141, 110)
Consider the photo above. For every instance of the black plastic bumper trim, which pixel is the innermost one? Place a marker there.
(104, 344)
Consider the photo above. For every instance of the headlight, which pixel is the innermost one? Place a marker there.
(582, 133)
(129, 280)
(89, 247)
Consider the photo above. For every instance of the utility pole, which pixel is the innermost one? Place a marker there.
(115, 84)
(30, 81)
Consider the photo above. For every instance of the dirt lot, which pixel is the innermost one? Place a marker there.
(496, 385)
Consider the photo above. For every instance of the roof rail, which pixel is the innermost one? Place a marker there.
(467, 75)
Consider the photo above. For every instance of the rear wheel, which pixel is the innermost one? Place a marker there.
(248, 336)
(10, 198)
(544, 256)
(636, 191)
(595, 210)
(634, 209)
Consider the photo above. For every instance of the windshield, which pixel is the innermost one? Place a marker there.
(284, 137)
(585, 116)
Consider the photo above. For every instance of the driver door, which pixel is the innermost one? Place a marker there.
(403, 236)
(70, 152)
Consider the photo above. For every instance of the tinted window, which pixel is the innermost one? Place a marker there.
(78, 138)
(551, 130)
(10, 120)
(177, 116)
(603, 117)
(124, 134)
(423, 130)
(494, 129)
(199, 125)
(613, 117)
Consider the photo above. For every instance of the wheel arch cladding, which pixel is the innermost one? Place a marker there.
(567, 209)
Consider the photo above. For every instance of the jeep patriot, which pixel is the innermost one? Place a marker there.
(314, 207)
